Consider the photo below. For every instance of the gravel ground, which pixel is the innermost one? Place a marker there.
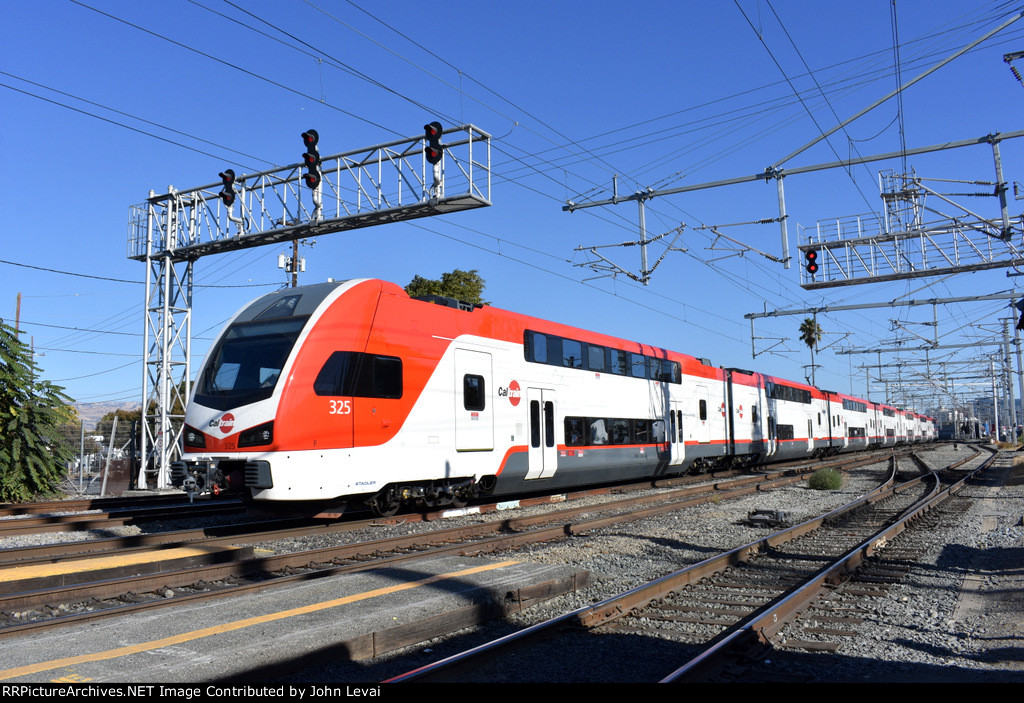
(958, 617)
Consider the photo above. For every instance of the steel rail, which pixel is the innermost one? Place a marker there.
(522, 528)
(622, 604)
(762, 626)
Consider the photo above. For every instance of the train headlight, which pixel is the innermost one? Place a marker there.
(257, 436)
(194, 438)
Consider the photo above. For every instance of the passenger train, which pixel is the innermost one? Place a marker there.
(354, 390)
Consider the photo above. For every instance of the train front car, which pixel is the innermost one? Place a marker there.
(232, 422)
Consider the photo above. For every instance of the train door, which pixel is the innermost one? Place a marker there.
(677, 449)
(543, 451)
(703, 415)
(474, 414)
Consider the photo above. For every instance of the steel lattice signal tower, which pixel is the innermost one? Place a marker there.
(396, 181)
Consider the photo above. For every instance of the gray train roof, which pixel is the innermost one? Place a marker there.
(288, 302)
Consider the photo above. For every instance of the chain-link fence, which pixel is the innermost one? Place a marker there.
(105, 456)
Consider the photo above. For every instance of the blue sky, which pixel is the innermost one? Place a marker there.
(105, 100)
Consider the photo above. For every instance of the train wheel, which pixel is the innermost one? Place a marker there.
(385, 504)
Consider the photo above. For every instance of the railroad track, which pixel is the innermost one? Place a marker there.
(200, 565)
(77, 516)
(705, 618)
(85, 504)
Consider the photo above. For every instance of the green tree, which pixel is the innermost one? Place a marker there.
(33, 454)
(810, 334)
(458, 284)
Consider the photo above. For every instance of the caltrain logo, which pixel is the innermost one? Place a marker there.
(226, 423)
(513, 392)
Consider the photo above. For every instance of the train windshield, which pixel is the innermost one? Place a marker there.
(247, 362)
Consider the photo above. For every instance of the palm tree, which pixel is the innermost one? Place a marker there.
(810, 334)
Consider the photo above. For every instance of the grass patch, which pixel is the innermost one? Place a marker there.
(826, 480)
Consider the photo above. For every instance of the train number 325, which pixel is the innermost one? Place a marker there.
(341, 407)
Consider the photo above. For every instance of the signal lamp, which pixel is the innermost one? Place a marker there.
(811, 261)
(432, 136)
(227, 193)
(311, 158)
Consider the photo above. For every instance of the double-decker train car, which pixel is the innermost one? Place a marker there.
(354, 390)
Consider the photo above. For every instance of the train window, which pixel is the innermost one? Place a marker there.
(620, 433)
(387, 377)
(549, 424)
(784, 431)
(670, 371)
(575, 432)
(703, 408)
(637, 365)
(572, 354)
(536, 347)
(598, 431)
(534, 423)
(672, 424)
(658, 431)
(473, 392)
(247, 362)
(642, 431)
(753, 414)
(618, 362)
(595, 357)
(679, 414)
(819, 419)
(360, 375)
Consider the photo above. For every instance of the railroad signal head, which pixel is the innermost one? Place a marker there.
(811, 261)
(227, 192)
(311, 158)
(432, 138)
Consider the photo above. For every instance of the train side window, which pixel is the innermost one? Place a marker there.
(575, 432)
(642, 431)
(549, 424)
(595, 357)
(753, 414)
(618, 362)
(703, 406)
(598, 431)
(620, 431)
(572, 354)
(473, 392)
(658, 431)
(387, 377)
(536, 347)
(638, 366)
(534, 423)
(679, 425)
(670, 370)
(360, 375)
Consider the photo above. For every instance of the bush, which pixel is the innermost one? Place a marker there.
(826, 480)
(32, 453)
